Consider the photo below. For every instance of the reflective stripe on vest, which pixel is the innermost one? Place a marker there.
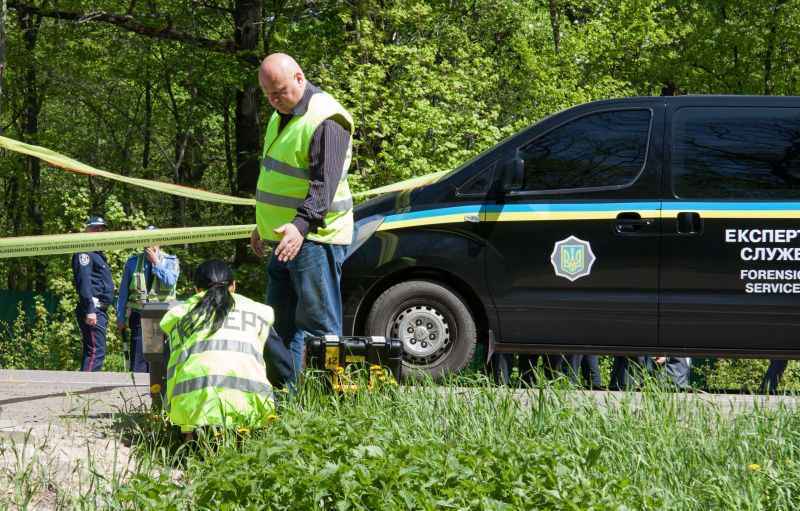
(283, 182)
(137, 287)
(215, 345)
(289, 202)
(224, 382)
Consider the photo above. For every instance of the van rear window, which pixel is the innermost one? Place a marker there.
(742, 153)
(606, 149)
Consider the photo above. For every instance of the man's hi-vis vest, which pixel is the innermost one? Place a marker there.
(219, 379)
(284, 179)
(137, 287)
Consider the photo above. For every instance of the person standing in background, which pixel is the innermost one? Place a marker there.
(95, 287)
(150, 276)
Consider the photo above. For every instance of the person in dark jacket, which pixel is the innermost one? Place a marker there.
(95, 288)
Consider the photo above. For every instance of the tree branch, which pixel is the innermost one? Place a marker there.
(156, 29)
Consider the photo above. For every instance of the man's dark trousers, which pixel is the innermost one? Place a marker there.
(94, 340)
(586, 367)
(137, 364)
(306, 296)
(552, 364)
(628, 372)
(772, 377)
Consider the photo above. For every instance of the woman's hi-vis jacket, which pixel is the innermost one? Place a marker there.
(219, 379)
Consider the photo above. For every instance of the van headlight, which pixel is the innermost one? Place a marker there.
(363, 230)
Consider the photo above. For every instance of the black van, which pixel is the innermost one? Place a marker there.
(641, 225)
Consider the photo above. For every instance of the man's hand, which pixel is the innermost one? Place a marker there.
(91, 319)
(121, 326)
(290, 243)
(152, 255)
(660, 360)
(256, 244)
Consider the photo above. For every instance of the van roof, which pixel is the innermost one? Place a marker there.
(705, 99)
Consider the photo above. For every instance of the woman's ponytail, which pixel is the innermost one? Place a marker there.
(214, 277)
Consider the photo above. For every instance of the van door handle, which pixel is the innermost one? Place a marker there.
(689, 223)
(472, 218)
(630, 222)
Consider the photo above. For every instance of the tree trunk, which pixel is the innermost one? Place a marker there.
(554, 23)
(3, 12)
(32, 101)
(247, 18)
(770, 50)
(148, 121)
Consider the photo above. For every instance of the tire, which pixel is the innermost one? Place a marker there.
(434, 323)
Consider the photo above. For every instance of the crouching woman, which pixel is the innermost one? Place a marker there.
(216, 374)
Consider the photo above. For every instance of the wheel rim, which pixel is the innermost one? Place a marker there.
(425, 332)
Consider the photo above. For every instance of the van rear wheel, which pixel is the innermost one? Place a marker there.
(434, 323)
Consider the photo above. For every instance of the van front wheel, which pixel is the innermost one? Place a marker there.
(434, 323)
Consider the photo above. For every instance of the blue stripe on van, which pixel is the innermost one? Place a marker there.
(672, 205)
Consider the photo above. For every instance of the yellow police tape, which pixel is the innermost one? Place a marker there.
(117, 240)
(64, 162)
(26, 246)
(406, 185)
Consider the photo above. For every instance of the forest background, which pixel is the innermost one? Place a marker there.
(168, 91)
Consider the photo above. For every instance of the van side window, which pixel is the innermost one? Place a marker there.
(744, 153)
(599, 150)
(479, 183)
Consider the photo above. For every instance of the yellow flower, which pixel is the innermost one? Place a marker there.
(754, 467)
(242, 430)
(155, 388)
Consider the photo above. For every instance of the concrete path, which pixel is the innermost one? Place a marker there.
(31, 398)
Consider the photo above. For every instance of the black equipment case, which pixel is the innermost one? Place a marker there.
(343, 357)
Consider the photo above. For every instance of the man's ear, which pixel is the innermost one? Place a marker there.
(232, 286)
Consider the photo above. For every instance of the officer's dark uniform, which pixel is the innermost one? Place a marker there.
(92, 279)
(586, 368)
(772, 377)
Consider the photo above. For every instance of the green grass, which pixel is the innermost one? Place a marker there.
(429, 447)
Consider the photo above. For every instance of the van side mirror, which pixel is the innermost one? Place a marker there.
(513, 174)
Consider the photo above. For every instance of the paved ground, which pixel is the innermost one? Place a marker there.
(37, 399)
(57, 432)
(32, 398)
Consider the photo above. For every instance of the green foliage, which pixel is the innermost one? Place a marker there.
(430, 85)
(438, 448)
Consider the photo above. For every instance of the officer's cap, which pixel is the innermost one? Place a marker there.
(95, 221)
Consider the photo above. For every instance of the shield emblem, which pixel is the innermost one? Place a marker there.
(572, 258)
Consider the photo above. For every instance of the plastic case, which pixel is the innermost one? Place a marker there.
(344, 358)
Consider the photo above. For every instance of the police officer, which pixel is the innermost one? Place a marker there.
(150, 276)
(92, 279)
(772, 378)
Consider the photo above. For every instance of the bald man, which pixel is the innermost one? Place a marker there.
(303, 205)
